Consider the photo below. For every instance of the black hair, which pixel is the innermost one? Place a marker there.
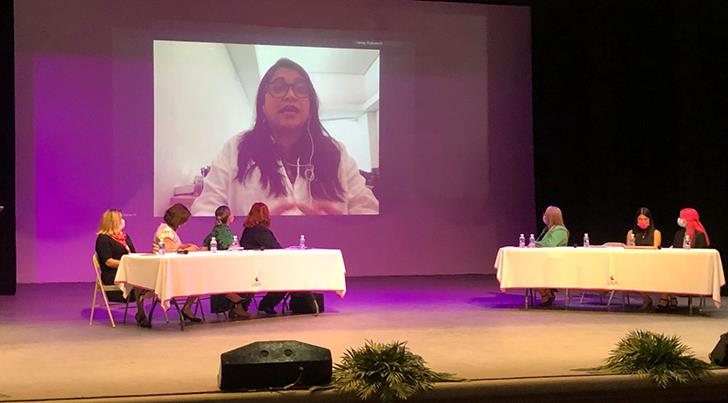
(222, 214)
(639, 231)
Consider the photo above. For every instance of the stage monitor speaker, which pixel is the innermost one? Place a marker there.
(274, 364)
(718, 355)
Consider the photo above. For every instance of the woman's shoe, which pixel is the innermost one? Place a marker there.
(662, 305)
(672, 305)
(646, 304)
(142, 320)
(236, 313)
(547, 300)
(194, 319)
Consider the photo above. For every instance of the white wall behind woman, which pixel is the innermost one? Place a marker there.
(354, 135)
(192, 82)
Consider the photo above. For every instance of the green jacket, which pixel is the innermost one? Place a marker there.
(223, 236)
(557, 235)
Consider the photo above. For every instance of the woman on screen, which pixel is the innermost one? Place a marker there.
(689, 221)
(287, 159)
(166, 233)
(644, 233)
(554, 234)
(235, 304)
(111, 244)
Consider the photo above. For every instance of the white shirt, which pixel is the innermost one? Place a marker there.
(221, 187)
(163, 232)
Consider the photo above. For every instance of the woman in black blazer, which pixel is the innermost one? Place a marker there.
(111, 244)
(257, 235)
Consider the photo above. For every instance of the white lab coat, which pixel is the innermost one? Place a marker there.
(221, 187)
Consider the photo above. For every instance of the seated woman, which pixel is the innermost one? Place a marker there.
(554, 234)
(166, 233)
(257, 235)
(690, 224)
(111, 244)
(236, 304)
(644, 233)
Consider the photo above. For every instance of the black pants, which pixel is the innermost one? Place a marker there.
(270, 300)
(220, 303)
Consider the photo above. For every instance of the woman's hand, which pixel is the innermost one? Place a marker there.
(189, 247)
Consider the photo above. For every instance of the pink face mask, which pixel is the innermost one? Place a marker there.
(643, 224)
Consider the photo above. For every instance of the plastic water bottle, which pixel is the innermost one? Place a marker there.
(161, 248)
(213, 245)
(302, 242)
(235, 245)
(686, 241)
(521, 241)
(586, 240)
(632, 241)
(531, 241)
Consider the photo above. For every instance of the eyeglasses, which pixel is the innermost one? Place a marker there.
(279, 89)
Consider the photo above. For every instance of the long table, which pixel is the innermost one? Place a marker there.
(692, 272)
(246, 271)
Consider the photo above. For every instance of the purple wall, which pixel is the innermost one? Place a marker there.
(455, 136)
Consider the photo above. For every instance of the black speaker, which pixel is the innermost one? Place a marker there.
(718, 355)
(274, 364)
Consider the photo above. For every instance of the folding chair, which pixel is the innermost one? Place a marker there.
(103, 288)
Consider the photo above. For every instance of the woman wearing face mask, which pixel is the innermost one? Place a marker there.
(690, 224)
(554, 234)
(236, 304)
(644, 234)
(111, 244)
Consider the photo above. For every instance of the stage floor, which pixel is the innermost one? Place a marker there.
(459, 324)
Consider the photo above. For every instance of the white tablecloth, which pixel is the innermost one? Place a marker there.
(202, 273)
(672, 271)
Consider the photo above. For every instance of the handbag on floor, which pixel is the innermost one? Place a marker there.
(303, 302)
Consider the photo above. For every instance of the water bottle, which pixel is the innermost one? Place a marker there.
(235, 245)
(302, 242)
(521, 241)
(531, 241)
(161, 248)
(586, 240)
(213, 245)
(686, 241)
(632, 241)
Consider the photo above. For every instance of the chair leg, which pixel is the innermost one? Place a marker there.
(611, 295)
(108, 309)
(581, 300)
(93, 303)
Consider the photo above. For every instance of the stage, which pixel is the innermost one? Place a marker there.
(460, 324)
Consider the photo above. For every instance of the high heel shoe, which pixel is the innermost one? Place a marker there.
(547, 300)
(233, 314)
(193, 319)
(672, 305)
(142, 320)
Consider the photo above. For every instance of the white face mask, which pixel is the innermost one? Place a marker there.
(681, 222)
